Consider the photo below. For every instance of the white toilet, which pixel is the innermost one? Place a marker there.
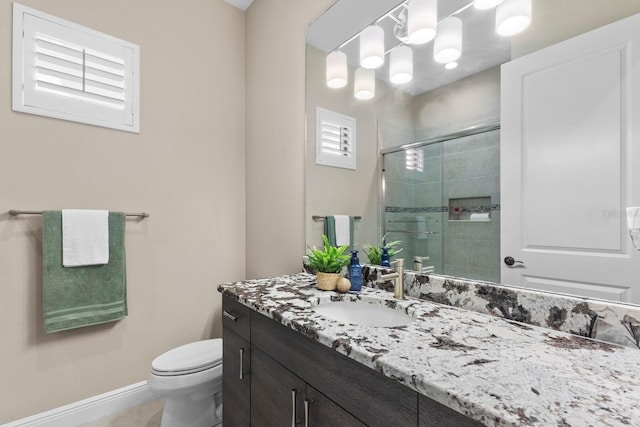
(190, 379)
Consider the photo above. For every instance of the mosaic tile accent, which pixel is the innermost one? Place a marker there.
(494, 370)
(602, 320)
(434, 209)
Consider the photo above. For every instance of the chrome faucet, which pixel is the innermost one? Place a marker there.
(398, 278)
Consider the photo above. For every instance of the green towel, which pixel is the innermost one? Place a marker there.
(330, 230)
(82, 296)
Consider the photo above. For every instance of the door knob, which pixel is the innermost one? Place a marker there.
(510, 261)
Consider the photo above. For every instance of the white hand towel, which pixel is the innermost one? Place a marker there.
(85, 237)
(421, 227)
(633, 217)
(479, 217)
(343, 236)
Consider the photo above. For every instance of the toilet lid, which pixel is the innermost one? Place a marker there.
(189, 358)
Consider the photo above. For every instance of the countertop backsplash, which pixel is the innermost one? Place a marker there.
(607, 321)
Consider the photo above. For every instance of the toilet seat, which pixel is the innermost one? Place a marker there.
(189, 358)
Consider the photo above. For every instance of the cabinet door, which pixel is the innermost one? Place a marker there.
(277, 395)
(432, 413)
(236, 389)
(320, 411)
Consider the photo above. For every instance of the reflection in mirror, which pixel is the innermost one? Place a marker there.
(401, 123)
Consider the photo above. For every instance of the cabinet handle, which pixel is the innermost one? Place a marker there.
(225, 313)
(306, 412)
(242, 363)
(293, 407)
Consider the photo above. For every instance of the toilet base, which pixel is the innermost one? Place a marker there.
(192, 411)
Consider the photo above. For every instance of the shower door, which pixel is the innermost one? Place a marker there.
(442, 200)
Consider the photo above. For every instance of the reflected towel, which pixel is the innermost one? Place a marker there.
(336, 231)
(479, 217)
(633, 217)
(82, 296)
(85, 237)
(421, 227)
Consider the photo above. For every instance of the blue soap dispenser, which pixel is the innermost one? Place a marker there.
(355, 273)
(384, 260)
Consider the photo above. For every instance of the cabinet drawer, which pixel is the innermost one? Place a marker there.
(236, 317)
(370, 396)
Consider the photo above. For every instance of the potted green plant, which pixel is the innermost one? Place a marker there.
(328, 263)
(374, 253)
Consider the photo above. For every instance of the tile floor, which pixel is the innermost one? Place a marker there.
(147, 415)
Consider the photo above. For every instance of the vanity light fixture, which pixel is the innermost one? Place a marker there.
(416, 22)
(486, 4)
(422, 20)
(448, 44)
(364, 86)
(372, 47)
(337, 71)
(401, 65)
(513, 17)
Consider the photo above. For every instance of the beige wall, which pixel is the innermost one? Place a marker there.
(276, 133)
(186, 167)
(474, 99)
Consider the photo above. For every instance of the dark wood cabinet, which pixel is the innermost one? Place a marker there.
(323, 412)
(236, 364)
(276, 393)
(295, 381)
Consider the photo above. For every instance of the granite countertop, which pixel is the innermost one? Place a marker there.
(497, 371)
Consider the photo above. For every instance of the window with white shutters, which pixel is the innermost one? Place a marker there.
(335, 139)
(70, 72)
(414, 159)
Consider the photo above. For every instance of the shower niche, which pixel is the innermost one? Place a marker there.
(470, 209)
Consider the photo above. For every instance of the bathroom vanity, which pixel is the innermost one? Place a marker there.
(286, 364)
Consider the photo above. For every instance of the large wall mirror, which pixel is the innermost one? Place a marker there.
(428, 151)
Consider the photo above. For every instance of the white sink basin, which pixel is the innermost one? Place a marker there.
(362, 313)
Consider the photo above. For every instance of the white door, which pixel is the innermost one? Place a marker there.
(570, 164)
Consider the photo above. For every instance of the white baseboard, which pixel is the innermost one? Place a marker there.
(91, 409)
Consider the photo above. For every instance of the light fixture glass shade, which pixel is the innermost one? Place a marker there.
(372, 47)
(448, 44)
(337, 74)
(513, 16)
(422, 20)
(364, 86)
(401, 65)
(486, 4)
(451, 65)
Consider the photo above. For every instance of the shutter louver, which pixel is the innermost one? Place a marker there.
(335, 139)
(71, 72)
(414, 159)
(66, 69)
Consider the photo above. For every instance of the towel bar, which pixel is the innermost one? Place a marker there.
(321, 218)
(16, 212)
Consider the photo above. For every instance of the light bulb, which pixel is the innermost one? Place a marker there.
(451, 65)
(448, 44)
(337, 74)
(372, 47)
(401, 65)
(364, 86)
(513, 17)
(422, 20)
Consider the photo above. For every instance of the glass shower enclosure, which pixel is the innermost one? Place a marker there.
(441, 198)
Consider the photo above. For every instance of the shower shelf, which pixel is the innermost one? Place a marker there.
(466, 220)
